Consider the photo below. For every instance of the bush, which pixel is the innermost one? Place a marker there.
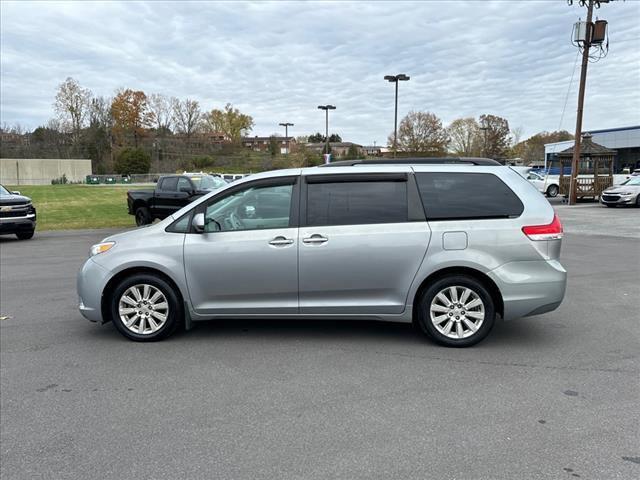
(61, 180)
(132, 160)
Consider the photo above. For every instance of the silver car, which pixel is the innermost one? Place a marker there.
(446, 243)
(627, 193)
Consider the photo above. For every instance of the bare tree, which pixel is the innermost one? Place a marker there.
(161, 107)
(465, 137)
(186, 116)
(516, 135)
(422, 132)
(72, 105)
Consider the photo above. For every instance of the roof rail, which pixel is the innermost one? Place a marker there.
(415, 161)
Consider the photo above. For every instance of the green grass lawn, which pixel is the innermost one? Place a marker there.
(66, 207)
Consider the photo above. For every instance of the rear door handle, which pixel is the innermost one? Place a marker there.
(281, 241)
(315, 239)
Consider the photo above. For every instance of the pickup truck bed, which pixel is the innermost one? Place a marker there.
(172, 192)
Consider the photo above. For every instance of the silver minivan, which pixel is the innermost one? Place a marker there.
(448, 244)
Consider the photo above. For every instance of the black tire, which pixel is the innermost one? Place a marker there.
(424, 303)
(552, 191)
(175, 316)
(25, 235)
(143, 216)
(638, 201)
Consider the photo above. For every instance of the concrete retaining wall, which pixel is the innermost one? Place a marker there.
(40, 171)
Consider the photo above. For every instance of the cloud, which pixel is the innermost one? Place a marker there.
(277, 61)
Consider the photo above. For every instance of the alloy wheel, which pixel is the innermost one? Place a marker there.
(457, 312)
(143, 309)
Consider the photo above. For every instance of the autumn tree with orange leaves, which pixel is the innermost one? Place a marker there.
(131, 115)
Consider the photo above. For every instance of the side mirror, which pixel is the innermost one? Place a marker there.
(198, 222)
(186, 190)
(16, 192)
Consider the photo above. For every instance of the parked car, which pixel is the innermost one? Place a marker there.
(627, 193)
(172, 192)
(545, 184)
(355, 240)
(17, 214)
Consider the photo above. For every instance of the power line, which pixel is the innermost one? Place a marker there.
(566, 99)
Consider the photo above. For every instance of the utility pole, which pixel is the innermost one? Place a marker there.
(286, 126)
(591, 37)
(401, 77)
(326, 109)
(573, 191)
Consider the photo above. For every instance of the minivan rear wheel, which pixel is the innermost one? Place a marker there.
(144, 307)
(456, 311)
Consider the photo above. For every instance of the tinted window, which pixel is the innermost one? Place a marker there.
(353, 203)
(169, 184)
(449, 196)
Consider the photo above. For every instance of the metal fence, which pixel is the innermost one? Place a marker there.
(146, 178)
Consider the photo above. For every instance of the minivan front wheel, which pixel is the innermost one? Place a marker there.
(456, 311)
(144, 307)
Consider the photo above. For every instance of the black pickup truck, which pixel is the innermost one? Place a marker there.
(172, 192)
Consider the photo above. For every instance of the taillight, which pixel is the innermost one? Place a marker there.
(552, 231)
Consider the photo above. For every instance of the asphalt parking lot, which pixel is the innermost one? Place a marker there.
(554, 396)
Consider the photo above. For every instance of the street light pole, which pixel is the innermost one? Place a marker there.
(484, 127)
(401, 77)
(326, 109)
(286, 126)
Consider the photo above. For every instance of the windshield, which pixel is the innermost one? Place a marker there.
(208, 182)
(4, 191)
(632, 181)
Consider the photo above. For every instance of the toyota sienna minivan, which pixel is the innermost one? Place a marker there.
(448, 244)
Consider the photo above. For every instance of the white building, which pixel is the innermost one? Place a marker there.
(625, 140)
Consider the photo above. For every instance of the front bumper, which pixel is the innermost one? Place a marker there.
(18, 224)
(617, 199)
(531, 287)
(91, 281)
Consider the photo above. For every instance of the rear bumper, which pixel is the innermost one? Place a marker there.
(18, 224)
(530, 288)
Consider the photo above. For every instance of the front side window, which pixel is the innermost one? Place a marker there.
(454, 196)
(356, 203)
(255, 208)
(184, 185)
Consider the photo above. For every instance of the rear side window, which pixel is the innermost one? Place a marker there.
(356, 203)
(169, 184)
(452, 196)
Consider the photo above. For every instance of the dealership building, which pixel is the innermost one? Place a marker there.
(625, 141)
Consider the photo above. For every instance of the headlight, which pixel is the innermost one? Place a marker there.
(101, 248)
(625, 193)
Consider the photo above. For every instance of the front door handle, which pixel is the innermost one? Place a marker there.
(281, 241)
(315, 239)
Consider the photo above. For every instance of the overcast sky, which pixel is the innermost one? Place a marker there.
(278, 61)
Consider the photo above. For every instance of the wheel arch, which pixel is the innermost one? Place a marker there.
(107, 292)
(139, 203)
(483, 278)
